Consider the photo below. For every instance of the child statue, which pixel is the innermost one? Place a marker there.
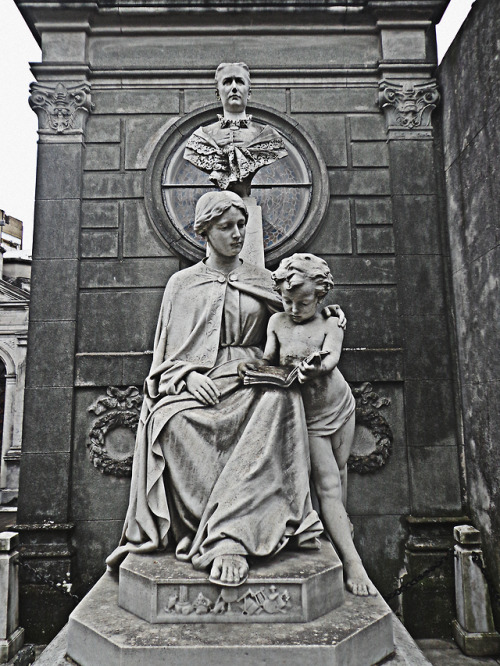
(302, 332)
(234, 148)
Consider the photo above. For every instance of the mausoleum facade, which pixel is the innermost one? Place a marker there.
(350, 86)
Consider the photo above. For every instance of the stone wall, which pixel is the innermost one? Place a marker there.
(100, 267)
(470, 79)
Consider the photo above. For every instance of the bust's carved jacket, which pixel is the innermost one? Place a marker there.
(237, 159)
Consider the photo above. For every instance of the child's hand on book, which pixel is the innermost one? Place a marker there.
(309, 370)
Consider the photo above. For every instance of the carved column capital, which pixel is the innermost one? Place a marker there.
(61, 109)
(408, 105)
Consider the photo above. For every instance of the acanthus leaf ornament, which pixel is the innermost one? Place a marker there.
(408, 105)
(61, 109)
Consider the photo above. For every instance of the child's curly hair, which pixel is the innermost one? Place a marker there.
(293, 271)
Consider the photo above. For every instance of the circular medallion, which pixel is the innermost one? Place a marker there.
(292, 191)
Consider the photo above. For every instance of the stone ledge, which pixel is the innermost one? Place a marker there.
(359, 633)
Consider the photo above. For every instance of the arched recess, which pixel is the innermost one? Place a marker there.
(9, 382)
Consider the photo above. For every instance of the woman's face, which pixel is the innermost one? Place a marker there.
(226, 235)
(233, 86)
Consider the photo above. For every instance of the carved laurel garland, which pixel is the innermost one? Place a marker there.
(119, 408)
(368, 404)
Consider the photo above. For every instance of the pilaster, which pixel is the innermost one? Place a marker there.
(62, 108)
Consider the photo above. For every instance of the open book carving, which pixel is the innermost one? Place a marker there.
(283, 375)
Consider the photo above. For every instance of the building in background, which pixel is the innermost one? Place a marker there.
(15, 274)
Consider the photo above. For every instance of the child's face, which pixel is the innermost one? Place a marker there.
(300, 302)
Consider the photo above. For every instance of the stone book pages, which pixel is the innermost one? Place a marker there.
(284, 375)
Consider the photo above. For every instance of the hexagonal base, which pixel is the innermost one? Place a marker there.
(100, 633)
(294, 586)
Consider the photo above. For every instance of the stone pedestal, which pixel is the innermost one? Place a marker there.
(100, 633)
(292, 587)
(474, 629)
(253, 248)
(11, 635)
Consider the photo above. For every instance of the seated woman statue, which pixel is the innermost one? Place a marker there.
(221, 471)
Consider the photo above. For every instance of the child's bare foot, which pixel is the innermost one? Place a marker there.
(229, 570)
(357, 581)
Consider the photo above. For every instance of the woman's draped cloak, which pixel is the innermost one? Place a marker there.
(227, 478)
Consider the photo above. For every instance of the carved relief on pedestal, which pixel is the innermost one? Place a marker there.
(235, 601)
(61, 109)
(408, 105)
(373, 440)
(112, 437)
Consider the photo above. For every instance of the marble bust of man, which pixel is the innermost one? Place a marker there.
(234, 148)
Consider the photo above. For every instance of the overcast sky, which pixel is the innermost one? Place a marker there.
(18, 124)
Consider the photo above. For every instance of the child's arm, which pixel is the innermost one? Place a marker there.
(271, 352)
(331, 344)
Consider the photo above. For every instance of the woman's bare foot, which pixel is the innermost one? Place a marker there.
(357, 581)
(229, 569)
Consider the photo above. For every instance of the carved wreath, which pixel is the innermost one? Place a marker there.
(368, 404)
(119, 408)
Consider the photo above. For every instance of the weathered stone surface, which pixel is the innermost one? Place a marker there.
(138, 273)
(375, 240)
(56, 230)
(373, 211)
(40, 498)
(335, 100)
(60, 176)
(378, 304)
(47, 432)
(422, 285)
(135, 101)
(370, 154)
(54, 341)
(102, 315)
(112, 185)
(97, 214)
(142, 133)
(416, 225)
(191, 50)
(426, 352)
(102, 157)
(366, 182)
(334, 236)
(430, 412)
(54, 290)
(99, 244)
(412, 163)
(96, 539)
(434, 494)
(368, 127)
(139, 237)
(357, 270)
(103, 129)
(294, 587)
(327, 131)
(358, 633)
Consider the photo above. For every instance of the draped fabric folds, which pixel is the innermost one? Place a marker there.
(232, 478)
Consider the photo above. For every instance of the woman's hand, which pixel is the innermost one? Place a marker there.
(335, 311)
(249, 365)
(202, 388)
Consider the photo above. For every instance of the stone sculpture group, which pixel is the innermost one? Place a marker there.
(222, 469)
